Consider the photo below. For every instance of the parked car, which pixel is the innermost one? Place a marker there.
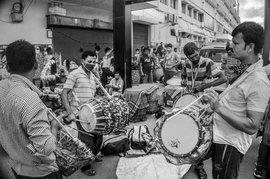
(215, 51)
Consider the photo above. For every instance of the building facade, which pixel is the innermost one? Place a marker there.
(181, 21)
(72, 26)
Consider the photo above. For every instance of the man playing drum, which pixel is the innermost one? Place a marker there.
(27, 134)
(82, 82)
(197, 70)
(239, 112)
(195, 73)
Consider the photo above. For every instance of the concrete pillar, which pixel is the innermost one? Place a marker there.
(122, 40)
(266, 48)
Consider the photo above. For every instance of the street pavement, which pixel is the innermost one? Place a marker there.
(106, 169)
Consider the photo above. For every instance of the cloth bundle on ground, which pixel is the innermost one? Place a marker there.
(149, 166)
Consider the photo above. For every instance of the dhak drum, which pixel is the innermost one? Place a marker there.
(103, 115)
(95, 116)
(184, 138)
(71, 153)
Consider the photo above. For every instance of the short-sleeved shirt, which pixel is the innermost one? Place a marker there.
(251, 94)
(146, 62)
(172, 60)
(83, 86)
(204, 70)
(119, 83)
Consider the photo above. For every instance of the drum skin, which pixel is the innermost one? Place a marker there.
(184, 138)
(97, 113)
(182, 100)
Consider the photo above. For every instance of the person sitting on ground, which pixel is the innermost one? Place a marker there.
(116, 85)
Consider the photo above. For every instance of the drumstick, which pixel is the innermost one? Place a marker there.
(186, 107)
(53, 115)
(101, 87)
(80, 131)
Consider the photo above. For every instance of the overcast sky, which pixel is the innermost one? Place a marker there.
(252, 10)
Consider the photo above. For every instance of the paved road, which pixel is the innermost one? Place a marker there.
(107, 168)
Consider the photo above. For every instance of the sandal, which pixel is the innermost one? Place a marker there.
(90, 172)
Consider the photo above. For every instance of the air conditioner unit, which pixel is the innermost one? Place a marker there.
(171, 17)
(167, 17)
(174, 18)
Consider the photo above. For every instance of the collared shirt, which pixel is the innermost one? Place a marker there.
(119, 83)
(251, 94)
(83, 86)
(25, 131)
(199, 74)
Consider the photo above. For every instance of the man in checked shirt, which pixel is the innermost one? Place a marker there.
(27, 135)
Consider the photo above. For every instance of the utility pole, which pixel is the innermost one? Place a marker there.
(266, 47)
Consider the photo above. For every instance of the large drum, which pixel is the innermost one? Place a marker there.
(186, 137)
(71, 154)
(103, 115)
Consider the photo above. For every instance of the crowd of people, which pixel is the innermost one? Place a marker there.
(28, 134)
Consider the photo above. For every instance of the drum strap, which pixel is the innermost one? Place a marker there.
(196, 71)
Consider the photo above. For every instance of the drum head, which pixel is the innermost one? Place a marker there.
(88, 116)
(184, 100)
(179, 135)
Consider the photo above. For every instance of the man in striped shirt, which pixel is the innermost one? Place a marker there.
(26, 133)
(196, 73)
(82, 83)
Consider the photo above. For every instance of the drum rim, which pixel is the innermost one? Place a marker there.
(177, 97)
(186, 154)
(91, 108)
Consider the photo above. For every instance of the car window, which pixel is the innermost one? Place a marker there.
(214, 54)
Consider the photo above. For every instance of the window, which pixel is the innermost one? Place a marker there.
(173, 32)
(164, 1)
(183, 8)
(200, 17)
(194, 37)
(195, 14)
(174, 4)
(199, 38)
(190, 11)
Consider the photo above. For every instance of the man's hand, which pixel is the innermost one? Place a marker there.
(71, 117)
(212, 97)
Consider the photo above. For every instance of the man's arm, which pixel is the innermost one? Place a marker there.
(38, 128)
(68, 86)
(249, 124)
